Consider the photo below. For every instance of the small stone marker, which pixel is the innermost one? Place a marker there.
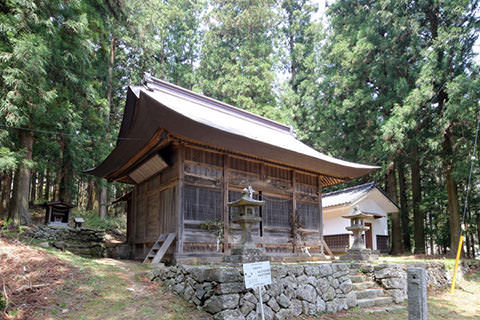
(256, 275)
(417, 294)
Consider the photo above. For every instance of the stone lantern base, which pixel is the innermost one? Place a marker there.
(359, 255)
(246, 255)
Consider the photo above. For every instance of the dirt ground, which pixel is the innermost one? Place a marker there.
(29, 277)
(50, 284)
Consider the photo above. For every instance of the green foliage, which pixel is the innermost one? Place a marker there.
(237, 55)
(93, 221)
(301, 40)
(8, 160)
(216, 226)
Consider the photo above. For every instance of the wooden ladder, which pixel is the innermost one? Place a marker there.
(325, 246)
(157, 252)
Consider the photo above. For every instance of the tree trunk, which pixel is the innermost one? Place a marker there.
(21, 186)
(33, 188)
(58, 177)
(5, 194)
(430, 223)
(404, 207)
(47, 185)
(118, 205)
(102, 208)
(102, 202)
(397, 247)
(467, 243)
(40, 184)
(453, 207)
(66, 174)
(478, 227)
(418, 221)
(90, 193)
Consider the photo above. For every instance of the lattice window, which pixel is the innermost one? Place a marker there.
(276, 172)
(306, 179)
(203, 156)
(276, 212)
(244, 165)
(202, 204)
(338, 242)
(309, 215)
(382, 244)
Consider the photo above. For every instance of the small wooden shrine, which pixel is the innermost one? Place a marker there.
(57, 213)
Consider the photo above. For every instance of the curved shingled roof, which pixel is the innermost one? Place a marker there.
(192, 116)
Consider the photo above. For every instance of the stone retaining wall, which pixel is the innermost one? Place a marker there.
(85, 242)
(295, 290)
(393, 277)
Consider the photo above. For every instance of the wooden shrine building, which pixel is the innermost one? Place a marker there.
(187, 155)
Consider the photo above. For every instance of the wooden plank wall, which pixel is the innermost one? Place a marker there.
(208, 169)
(154, 210)
(196, 185)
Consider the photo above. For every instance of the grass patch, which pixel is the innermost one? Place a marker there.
(114, 289)
(93, 221)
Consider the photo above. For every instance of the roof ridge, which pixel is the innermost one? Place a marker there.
(213, 103)
(368, 186)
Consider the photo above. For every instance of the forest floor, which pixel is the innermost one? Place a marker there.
(51, 284)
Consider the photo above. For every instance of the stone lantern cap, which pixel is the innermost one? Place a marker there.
(357, 215)
(246, 200)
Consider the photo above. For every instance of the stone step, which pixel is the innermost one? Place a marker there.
(369, 293)
(379, 301)
(359, 286)
(358, 278)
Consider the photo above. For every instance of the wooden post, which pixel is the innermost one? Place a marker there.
(180, 186)
(133, 247)
(320, 207)
(294, 212)
(226, 221)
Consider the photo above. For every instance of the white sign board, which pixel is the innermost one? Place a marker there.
(257, 274)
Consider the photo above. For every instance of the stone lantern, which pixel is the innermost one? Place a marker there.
(246, 250)
(358, 251)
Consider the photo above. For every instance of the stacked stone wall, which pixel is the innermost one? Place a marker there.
(295, 290)
(393, 277)
(85, 242)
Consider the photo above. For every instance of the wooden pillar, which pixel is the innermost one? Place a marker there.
(133, 237)
(180, 197)
(226, 221)
(294, 212)
(320, 207)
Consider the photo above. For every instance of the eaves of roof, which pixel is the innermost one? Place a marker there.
(189, 115)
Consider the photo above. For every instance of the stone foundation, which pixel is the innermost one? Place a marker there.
(296, 289)
(85, 242)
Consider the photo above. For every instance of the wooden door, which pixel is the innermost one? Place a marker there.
(368, 236)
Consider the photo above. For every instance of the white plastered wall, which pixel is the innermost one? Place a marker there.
(373, 202)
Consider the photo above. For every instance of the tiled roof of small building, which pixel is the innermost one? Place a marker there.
(347, 195)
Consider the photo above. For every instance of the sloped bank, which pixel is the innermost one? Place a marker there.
(296, 289)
